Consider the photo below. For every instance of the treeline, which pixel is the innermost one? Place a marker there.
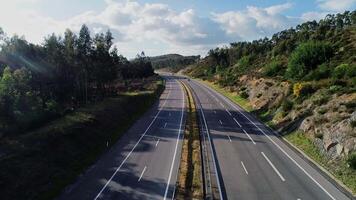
(174, 62)
(39, 82)
(310, 51)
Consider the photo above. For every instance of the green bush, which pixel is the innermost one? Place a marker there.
(287, 105)
(303, 89)
(244, 94)
(351, 71)
(345, 70)
(273, 68)
(307, 57)
(243, 64)
(351, 160)
(340, 71)
(321, 72)
(335, 88)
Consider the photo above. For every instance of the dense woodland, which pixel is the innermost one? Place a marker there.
(40, 82)
(309, 52)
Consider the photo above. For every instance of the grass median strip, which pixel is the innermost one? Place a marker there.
(189, 182)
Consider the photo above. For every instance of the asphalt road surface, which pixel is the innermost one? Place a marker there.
(143, 164)
(252, 162)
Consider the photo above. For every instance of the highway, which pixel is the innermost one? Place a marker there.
(251, 161)
(143, 164)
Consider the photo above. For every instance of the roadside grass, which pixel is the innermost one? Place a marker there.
(231, 95)
(339, 168)
(189, 182)
(41, 163)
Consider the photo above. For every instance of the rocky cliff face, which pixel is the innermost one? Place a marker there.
(326, 118)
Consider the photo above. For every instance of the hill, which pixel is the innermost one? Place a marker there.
(302, 82)
(174, 62)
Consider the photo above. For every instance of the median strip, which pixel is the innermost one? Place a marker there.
(189, 183)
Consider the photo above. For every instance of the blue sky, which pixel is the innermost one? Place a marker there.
(164, 26)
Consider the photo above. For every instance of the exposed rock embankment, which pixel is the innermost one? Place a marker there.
(328, 118)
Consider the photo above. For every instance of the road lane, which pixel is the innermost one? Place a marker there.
(249, 139)
(144, 162)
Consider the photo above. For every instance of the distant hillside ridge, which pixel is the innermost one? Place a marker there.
(174, 62)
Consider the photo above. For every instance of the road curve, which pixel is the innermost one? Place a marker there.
(143, 164)
(252, 162)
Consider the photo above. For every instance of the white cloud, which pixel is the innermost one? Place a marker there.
(336, 5)
(153, 27)
(255, 22)
(309, 16)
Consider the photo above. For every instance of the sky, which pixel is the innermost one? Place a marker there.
(187, 27)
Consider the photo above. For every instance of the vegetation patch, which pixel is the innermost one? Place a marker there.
(190, 183)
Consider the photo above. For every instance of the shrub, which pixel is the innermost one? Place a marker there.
(273, 68)
(244, 94)
(302, 89)
(323, 71)
(287, 105)
(340, 70)
(307, 57)
(351, 71)
(351, 160)
(243, 64)
(335, 88)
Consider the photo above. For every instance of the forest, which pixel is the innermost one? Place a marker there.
(42, 82)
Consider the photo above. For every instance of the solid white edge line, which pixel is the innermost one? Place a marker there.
(143, 171)
(248, 135)
(243, 166)
(237, 123)
(128, 155)
(280, 148)
(274, 168)
(175, 150)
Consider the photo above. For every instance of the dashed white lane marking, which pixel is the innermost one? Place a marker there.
(214, 111)
(228, 112)
(248, 135)
(274, 168)
(229, 137)
(143, 171)
(157, 142)
(243, 166)
(169, 113)
(237, 122)
(165, 125)
(220, 122)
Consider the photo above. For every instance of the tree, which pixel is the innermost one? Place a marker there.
(84, 46)
(307, 57)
